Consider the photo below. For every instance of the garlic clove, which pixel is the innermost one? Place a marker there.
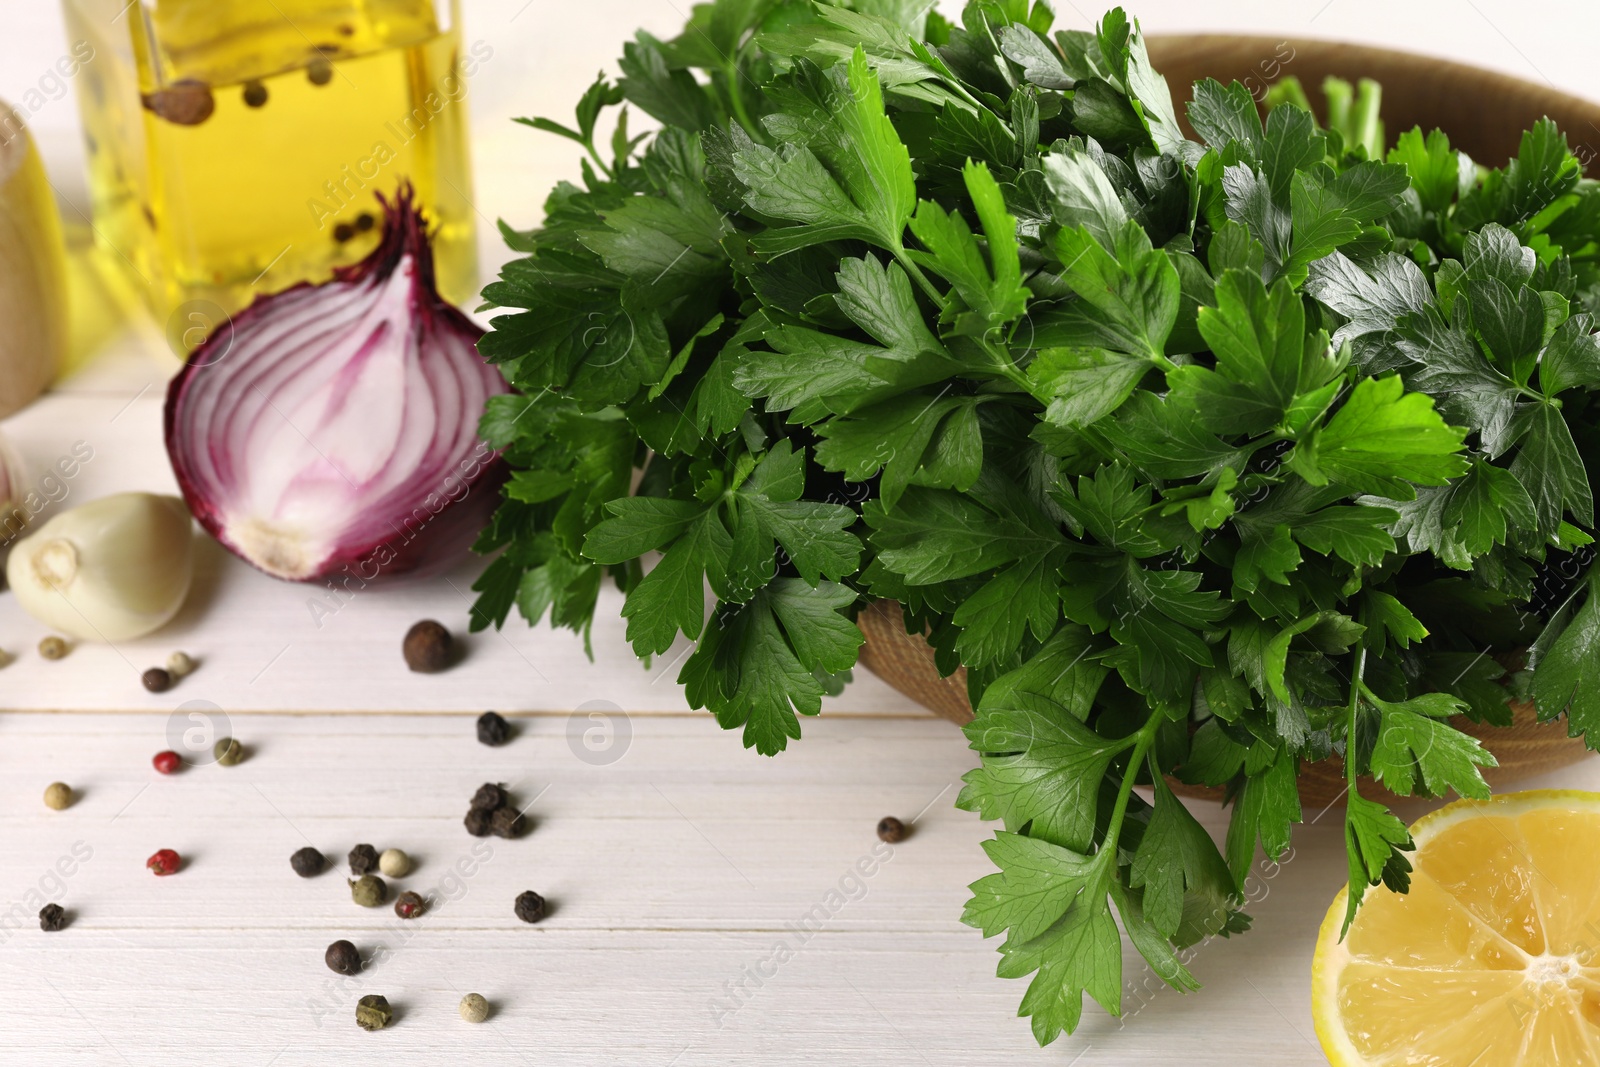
(109, 570)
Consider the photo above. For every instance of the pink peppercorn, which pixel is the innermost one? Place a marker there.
(168, 762)
(163, 862)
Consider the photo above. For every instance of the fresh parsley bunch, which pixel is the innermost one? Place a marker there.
(1203, 458)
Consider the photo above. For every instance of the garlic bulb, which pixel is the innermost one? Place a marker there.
(109, 570)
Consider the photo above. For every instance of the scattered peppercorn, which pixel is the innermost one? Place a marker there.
(394, 863)
(308, 862)
(180, 664)
(255, 94)
(164, 861)
(529, 906)
(168, 762)
(474, 1008)
(490, 796)
(156, 679)
(427, 646)
(342, 958)
(478, 822)
(186, 102)
(493, 728)
(363, 859)
(52, 917)
(409, 905)
(373, 1012)
(507, 822)
(58, 796)
(369, 891)
(5, 658)
(52, 647)
(342, 233)
(227, 751)
(319, 71)
(891, 829)
(365, 222)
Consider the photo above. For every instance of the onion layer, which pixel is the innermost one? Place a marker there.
(334, 427)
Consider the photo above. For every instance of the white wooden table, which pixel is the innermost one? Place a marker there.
(675, 861)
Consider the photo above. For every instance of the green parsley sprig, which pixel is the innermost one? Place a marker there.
(1203, 457)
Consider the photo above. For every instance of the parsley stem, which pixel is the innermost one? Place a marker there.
(1356, 687)
(1142, 742)
(594, 155)
(736, 98)
(909, 265)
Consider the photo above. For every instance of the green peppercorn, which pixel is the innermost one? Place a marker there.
(58, 796)
(369, 891)
(319, 71)
(373, 1012)
(228, 751)
(52, 647)
(255, 94)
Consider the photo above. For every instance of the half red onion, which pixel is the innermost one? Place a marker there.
(333, 427)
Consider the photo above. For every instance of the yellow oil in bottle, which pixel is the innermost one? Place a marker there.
(237, 147)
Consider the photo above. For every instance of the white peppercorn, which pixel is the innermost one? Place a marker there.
(474, 1008)
(57, 796)
(179, 664)
(394, 864)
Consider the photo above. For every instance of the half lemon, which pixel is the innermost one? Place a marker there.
(1491, 960)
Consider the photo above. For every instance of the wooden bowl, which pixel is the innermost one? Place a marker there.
(905, 661)
(1484, 114)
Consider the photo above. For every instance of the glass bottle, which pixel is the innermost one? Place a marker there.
(237, 147)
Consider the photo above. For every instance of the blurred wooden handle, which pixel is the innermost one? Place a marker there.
(33, 277)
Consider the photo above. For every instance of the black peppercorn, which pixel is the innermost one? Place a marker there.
(490, 797)
(493, 728)
(343, 958)
(427, 645)
(52, 917)
(891, 829)
(507, 822)
(363, 860)
(478, 822)
(342, 233)
(156, 679)
(365, 222)
(319, 71)
(186, 102)
(529, 906)
(409, 905)
(255, 94)
(308, 862)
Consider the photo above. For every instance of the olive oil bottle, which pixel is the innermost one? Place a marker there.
(237, 147)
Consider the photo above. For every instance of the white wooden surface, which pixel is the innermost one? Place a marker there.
(671, 870)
